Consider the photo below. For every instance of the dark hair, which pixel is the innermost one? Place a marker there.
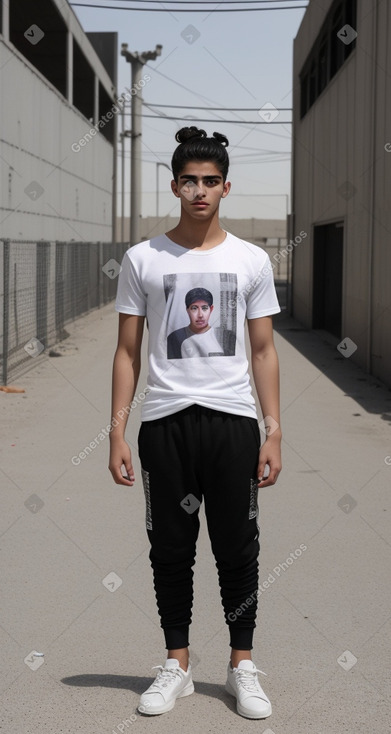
(198, 294)
(195, 145)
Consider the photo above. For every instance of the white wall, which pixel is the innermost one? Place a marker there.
(38, 128)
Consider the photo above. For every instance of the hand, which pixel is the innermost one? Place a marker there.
(270, 453)
(120, 454)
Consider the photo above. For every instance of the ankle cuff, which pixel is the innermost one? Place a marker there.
(241, 638)
(176, 637)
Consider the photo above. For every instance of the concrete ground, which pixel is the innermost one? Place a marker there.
(76, 579)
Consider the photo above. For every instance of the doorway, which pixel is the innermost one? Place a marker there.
(327, 278)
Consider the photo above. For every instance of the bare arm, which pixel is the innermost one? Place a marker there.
(264, 361)
(126, 370)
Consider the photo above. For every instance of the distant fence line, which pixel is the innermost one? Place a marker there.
(46, 285)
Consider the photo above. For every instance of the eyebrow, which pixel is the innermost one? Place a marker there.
(207, 178)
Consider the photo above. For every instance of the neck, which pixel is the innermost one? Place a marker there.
(202, 234)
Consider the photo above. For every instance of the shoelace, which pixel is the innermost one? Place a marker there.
(248, 679)
(165, 677)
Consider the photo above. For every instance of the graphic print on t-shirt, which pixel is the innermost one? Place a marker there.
(199, 315)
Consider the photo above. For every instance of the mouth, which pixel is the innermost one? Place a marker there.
(200, 204)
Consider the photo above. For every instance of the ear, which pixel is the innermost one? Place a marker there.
(226, 189)
(174, 189)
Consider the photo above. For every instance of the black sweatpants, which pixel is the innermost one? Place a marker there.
(193, 455)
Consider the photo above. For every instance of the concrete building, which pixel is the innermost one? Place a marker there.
(341, 177)
(58, 127)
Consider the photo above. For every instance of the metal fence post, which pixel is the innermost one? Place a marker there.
(6, 288)
(42, 280)
(99, 274)
(60, 290)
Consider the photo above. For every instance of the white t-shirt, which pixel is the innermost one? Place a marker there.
(201, 345)
(228, 283)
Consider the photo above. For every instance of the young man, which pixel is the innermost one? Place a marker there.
(199, 437)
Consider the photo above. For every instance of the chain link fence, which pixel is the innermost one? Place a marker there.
(45, 285)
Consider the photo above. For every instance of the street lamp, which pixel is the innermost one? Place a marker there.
(137, 61)
(157, 184)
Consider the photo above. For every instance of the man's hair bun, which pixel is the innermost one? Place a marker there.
(221, 139)
(187, 133)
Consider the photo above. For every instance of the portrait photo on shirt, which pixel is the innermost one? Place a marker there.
(200, 319)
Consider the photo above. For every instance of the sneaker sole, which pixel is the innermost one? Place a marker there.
(247, 713)
(169, 705)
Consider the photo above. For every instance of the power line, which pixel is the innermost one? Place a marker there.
(196, 119)
(225, 122)
(200, 96)
(274, 157)
(182, 10)
(203, 98)
(178, 84)
(219, 109)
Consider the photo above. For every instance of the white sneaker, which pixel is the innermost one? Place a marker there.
(170, 683)
(242, 682)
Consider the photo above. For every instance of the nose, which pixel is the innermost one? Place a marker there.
(192, 190)
(198, 191)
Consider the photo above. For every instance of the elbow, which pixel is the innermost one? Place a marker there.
(124, 355)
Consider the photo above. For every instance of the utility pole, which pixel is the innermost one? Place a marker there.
(137, 61)
(124, 134)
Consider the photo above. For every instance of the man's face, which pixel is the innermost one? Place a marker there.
(199, 315)
(200, 188)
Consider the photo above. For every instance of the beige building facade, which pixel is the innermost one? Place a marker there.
(341, 177)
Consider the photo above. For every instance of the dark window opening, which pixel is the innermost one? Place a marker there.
(83, 83)
(106, 105)
(44, 44)
(337, 47)
(327, 278)
(328, 53)
(312, 95)
(323, 62)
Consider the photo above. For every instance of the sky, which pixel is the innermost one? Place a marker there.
(211, 59)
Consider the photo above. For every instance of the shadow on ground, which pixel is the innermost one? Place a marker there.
(320, 349)
(138, 684)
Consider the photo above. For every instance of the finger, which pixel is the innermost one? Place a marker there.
(127, 480)
(129, 469)
(261, 470)
(119, 478)
(270, 480)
